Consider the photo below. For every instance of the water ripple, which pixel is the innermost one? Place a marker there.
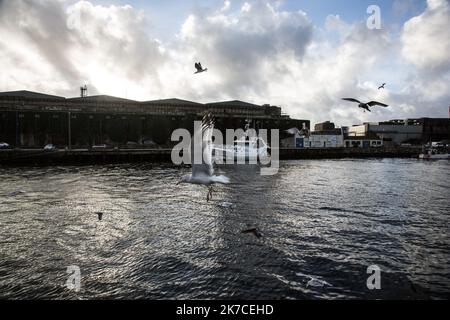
(323, 224)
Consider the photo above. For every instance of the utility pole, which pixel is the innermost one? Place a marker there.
(83, 91)
(17, 130)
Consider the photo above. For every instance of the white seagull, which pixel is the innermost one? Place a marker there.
(293, 131)
(203, 174)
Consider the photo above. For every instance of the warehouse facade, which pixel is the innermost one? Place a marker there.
(32, 120)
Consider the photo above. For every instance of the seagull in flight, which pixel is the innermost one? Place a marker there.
(366, 106)
(203, 173)
(199, 68)
(382, 86)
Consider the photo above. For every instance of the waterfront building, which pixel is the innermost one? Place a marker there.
(369, 140)
(409, 131)
(326, 139)
(33, 120)
(324, 126)
(324, 136)
(433, 129)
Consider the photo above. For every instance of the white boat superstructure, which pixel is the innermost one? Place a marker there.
(247, 148)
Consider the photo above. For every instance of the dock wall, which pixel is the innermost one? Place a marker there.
(85, 156)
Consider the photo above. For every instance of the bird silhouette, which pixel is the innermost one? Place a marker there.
(366, 106)
(199, 68)
(382, 86)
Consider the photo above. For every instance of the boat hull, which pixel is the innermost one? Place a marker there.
(434, 156)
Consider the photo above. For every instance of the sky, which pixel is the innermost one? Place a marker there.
(304, 56)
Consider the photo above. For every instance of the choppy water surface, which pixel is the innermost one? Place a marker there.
(323, 223)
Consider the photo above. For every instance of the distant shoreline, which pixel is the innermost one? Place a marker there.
(20, 157)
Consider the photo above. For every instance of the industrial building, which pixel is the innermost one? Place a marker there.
(409, 131)
(32, 120)
(324, 140)
(370, 140)
(326, 135)
(326, 126)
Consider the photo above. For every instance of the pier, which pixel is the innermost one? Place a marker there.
(89, 156)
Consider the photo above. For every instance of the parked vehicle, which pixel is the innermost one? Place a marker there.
(101, 146)
(132, 145)
(4, 145)
(149, 143)
(50, 147)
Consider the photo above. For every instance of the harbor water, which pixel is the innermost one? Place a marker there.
(322, 224)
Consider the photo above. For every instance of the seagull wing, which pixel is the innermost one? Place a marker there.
(376, 103)
(207, 145)
(293, 131)
(352, 100)
(204, 135)
(197, 66)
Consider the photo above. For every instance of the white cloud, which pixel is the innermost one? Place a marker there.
(258, 53)
(246, 7)
(426, 47)
(238, 47)
(226, 5)
(425, 38)
(105, 46)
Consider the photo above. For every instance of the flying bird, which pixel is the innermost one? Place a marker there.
(314, 282)
(199, 68)
(253, 231)
(203, 173)
(366, 106)
(14, 193)
(382, 86)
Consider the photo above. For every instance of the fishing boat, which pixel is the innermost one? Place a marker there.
(435, 151)
(253, 148)
(247, 148)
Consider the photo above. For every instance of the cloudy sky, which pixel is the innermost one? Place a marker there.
(301, 55)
